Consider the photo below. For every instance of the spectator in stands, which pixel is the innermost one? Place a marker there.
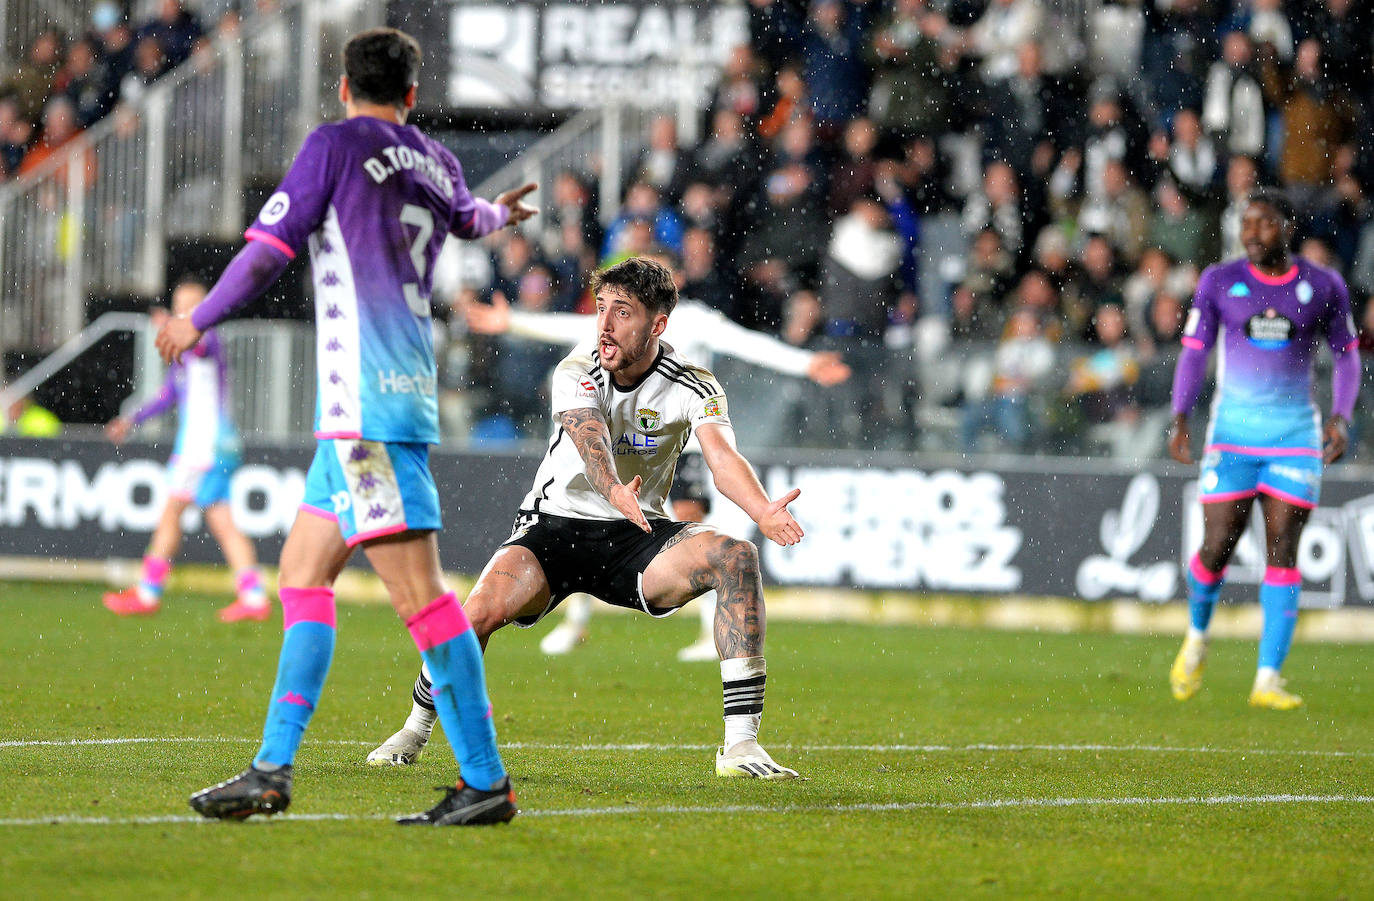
(1026, 122)
(785, 226)
(924, 175)
(15, 134)
(792, 102)
(702, 279)
(1267, 25)
(1191, 158)
(1317, 117)
(910, 91)
(31, 83)
(1342, 28)
(1242, 177)
(1101, 384)
(59, 126)
(114, 39)
(522, 367)
(26, 419)
(833, 42)
(1114, 134)
(1016, 372)
(176, 29)
(643, 203)
(775, 30)
(1096, 283)
(85, 80)
(1120, 211)
(739, 90)
(999, 205)
(664, 163)
(728, 157)
(854, 170)
(150, 62)
(515, 255)
(1233, 107)
(982, 291)
(1175, 226)
(571, 202)
(999, 35)
(1142, 286)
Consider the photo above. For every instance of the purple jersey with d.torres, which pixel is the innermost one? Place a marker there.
(198, 386)
(1268, 328)
(375, 200)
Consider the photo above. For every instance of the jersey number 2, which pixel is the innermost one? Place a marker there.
(423, 220)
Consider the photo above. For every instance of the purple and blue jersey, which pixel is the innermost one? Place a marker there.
(198, 386)
(374, 201)
(1267, 329)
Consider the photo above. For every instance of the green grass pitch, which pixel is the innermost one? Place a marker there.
(939, 763)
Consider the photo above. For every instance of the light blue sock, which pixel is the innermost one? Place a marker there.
(1279, 601)
(459, 688)
(1204, 587)
(306, 651)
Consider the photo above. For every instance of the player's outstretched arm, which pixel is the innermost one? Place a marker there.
(514, 200)
(251, 272)
(737, 481)
(592, 438)
(768, 351)
(497, 318)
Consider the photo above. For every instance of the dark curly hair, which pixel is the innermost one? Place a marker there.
(648, 282)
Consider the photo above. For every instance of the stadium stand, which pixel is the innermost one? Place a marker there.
(997, 209)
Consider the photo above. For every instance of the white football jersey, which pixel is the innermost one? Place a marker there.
(649, 423)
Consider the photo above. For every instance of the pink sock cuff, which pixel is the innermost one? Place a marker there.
(1280, 575)
(307, 605)
(248, 580)
(442, 620)
(155, 569)
(1203, 574)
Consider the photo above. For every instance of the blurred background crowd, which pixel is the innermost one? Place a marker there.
(997, 216)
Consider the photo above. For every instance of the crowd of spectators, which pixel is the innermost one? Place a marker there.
(1091, 170)
(68, 83)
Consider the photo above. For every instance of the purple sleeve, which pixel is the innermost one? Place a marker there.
(298, 206)
(251, 272)
(1345, 383)
(473, 217)
(1200, 328)
(164, 401)
(1340, 324)
(1188, 378)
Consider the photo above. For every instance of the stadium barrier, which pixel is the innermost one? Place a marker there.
(1066, 528)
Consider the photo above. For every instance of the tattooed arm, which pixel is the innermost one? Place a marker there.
(736, 480)
(587, 428)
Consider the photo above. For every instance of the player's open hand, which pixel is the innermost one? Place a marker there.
(1335, 439)
(625, 498)
(1180, 440)
(118, 429)
(488, 318)
(514, 201)
(176, 336)
(826, 368)
(777, 524)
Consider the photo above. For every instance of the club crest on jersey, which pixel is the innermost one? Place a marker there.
(713, 407)
(1239, 289)
(649, 420)
(1269, 330)
(1304, 292)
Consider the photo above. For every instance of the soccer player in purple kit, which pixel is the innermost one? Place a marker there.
(375, 199)
(1265, 438)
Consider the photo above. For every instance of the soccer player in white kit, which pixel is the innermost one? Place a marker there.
(698, 332)
(596, 521)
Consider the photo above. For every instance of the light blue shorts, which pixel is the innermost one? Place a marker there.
(1290, 475)
(372, 488)
(202, 486)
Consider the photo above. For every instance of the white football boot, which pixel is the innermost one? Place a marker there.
(746, 760)
(401, 749)
(563, 638)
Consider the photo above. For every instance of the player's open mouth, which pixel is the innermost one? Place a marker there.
(606, 350)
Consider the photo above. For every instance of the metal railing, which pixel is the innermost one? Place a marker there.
(95, 219)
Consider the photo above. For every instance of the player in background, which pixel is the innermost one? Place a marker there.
(595, 520)
(375, 199)
(204, 458)
(698, 332)
(1266, 438)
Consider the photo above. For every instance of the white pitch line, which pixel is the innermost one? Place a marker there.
(659, 747)
(679, 810)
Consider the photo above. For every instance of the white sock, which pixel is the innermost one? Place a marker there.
(742, 680)
(577, 609)
(1266, 677)
(422, 712)
(1197, 635)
